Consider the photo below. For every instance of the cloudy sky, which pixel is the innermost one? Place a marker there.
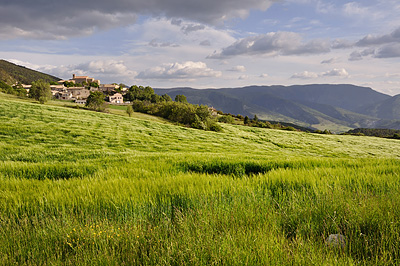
(208, 43)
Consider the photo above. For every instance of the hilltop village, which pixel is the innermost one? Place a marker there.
(78, 90)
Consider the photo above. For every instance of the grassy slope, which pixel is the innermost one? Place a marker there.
(79, 187)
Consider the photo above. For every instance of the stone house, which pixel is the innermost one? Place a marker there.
(116, 98)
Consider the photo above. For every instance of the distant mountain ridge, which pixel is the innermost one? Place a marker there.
(11, 73)
(337, 107)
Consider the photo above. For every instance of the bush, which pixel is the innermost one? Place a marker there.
(226, 119)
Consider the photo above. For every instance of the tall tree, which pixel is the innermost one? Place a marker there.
(180, 98)
(40, 91)
(95, 101)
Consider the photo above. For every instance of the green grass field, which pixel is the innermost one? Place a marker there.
(85, 188)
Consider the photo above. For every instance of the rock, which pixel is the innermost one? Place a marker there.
(336, 240)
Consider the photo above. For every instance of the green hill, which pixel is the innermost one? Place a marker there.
(88, 188)
(12, 73)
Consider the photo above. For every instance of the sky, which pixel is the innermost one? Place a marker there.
(208, 43)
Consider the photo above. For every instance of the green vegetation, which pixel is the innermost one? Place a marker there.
(146, 101)
(190, 115)
(96, 101)
(17, 89)
(11, 74)
(375, 132)
(40, 91)
(87, 188)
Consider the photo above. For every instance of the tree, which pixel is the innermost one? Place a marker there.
(246, 120)
(94, 84)
(40, 91)
(95, 101)
(129, 110)
(255, 119)
(69, 84)
(180, 98)
(166, 97)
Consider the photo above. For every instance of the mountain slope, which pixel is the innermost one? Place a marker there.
(319, 106)
(387, 109)
(12, 73)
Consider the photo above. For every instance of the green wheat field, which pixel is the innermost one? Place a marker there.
(84, 188)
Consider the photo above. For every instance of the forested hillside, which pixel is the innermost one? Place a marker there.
(11, 73)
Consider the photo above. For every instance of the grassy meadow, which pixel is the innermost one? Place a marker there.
(84, 188)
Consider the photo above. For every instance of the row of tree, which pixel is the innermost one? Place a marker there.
(375, 132)
(144, 100)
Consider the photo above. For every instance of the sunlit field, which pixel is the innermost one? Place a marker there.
(84, 188)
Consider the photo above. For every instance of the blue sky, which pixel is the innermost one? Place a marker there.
(207, 44)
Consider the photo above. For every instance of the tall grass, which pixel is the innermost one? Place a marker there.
(84, 188)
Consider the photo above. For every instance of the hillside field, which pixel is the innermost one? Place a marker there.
(84, 188)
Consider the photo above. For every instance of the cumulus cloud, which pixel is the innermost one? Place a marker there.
(389, 51)
(273, 43)
(238, 69)
(370, 40)
(187, 70)
(336, 72)
(378, 46)
(63, 19)
(108, 67)
(355, 9)
(98, 69)
(358, 55)
(304, 75)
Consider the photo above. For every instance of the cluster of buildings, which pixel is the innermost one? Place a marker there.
(81, 91)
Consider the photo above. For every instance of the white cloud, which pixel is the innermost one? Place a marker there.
(355, 9)
(336, 72)
(273, 43)
(305, 75)
(187, 70)
(238, 69)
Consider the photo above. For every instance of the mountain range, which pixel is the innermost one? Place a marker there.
(338, 107)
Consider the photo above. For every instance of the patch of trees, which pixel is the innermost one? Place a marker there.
(187, 114)
(144, 100)
(254, 122)
(375, 132)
